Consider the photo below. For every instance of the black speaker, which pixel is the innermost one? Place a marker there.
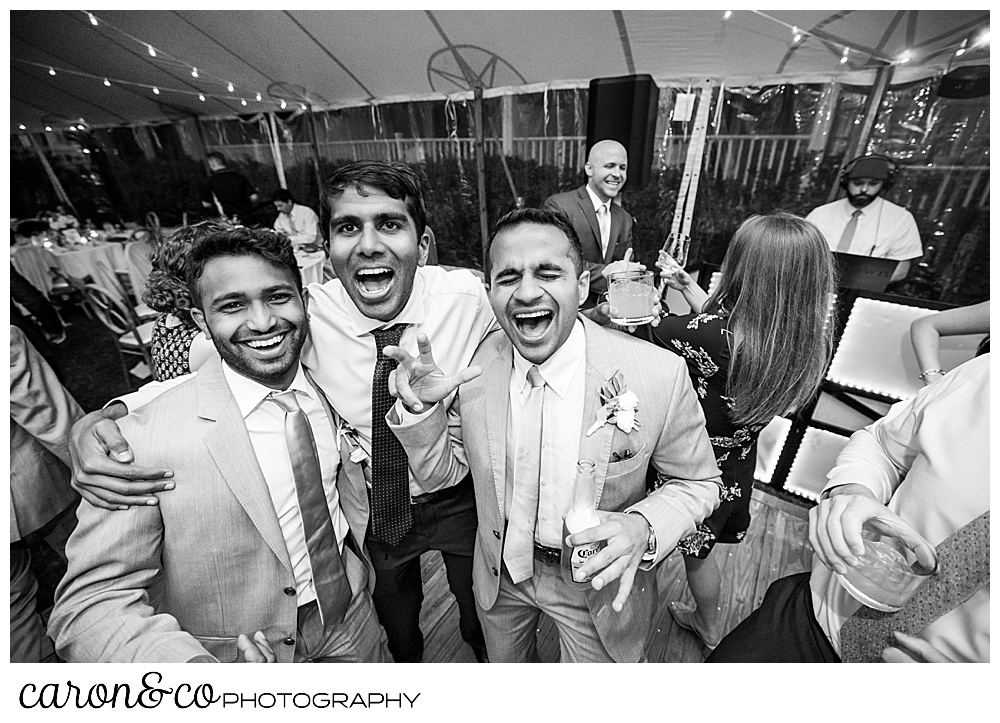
(624, 109)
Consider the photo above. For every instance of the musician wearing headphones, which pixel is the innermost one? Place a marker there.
(865, 224)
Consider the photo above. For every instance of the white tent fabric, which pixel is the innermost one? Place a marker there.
(337, 58)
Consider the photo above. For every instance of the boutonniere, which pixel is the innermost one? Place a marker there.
(619, 406)
(350, 435)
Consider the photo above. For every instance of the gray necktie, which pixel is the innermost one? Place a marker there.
(333, 591)
(848, 235)
(518, 552)
(963, 568)
(604, 222)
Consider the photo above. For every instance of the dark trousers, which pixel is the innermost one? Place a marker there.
(782, 630)
(446, 523)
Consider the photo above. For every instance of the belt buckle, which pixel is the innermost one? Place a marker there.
(550, 555)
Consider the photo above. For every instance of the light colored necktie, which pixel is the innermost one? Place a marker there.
(963, 568)
(604, 222)
(518, 549)
(333, 591)
(391, 516)
(848, 235)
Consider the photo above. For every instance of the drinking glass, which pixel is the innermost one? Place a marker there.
(896, 562)
(678, 245)
(633, 297)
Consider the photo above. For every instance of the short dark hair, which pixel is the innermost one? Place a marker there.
(216, 156)
(283, 195)
(539, 217)
(272, 247)
(396, 180)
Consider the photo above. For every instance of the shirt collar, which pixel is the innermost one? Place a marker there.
(870, 208)
(249, 393)
(412, 313)
(560, 368)
(595, 199)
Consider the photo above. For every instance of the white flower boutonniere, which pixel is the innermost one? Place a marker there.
(619, 406)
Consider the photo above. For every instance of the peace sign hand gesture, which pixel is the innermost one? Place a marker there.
(418, 381)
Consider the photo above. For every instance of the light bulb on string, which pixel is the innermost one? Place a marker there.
(283, 104)
(107, 83)
(243, 101)
(156, 91)
(152, 50)
(728, 14)
(961, 48)
(796, 35)
(48, 128)
(194, 72)
(984, 39)
(843, 57)
(230, 87)
(52, 71)
(303, 106)
(93, 20)
(201, 97)
(23, 127)
(258, 96)
(904, 57)
(72, 128)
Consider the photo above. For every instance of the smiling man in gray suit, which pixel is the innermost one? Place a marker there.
(602, 225)
(554, 389)
(261, 531)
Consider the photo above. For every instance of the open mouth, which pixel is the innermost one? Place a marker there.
(374, 282)
(533, 324)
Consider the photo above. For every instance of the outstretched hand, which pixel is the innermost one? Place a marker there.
(672, 273)
(418, 381)
(627, 536)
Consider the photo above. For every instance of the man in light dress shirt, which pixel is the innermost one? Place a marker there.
(226, 553)
(926, 464)
(882, 229)
(299, 223)
(378, 247)
(602, 225)
(537, 282)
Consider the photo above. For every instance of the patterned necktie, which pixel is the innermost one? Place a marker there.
(963, 568)
(391, 515)
(848, 235)
(518, 551)
(604, 222)
(333, 591)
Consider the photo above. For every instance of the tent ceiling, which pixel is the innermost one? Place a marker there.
(349, 57)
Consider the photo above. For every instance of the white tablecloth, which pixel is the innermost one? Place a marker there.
(97, 260)
(311, 265)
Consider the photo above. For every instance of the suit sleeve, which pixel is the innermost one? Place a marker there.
(689, 481)
(102, 610)
(38, 402)
(433, 443)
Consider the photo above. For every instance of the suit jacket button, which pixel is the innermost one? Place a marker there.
(496, 534)
(494, 571)
(289, 641)
(290, 591)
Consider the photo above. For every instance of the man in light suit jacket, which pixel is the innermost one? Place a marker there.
(607, 170)
(41, 414)
(228, 551)
(537, 281)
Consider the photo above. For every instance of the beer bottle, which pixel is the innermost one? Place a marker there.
(582, 515)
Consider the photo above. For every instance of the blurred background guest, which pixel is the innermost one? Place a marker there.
(41, 414)
(178, 346)
(926, 333)
(756, 348)
(228, 191)
(33, 313)
(299, 223)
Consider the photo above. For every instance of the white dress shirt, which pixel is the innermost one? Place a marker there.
(265, 422)
(450, 307)
(939, 443)
(301, 225)
(884, 230)
(562, 418)
(604, 240)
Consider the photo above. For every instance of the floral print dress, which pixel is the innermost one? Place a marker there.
(702, 340)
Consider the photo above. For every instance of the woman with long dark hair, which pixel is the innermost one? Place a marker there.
(757, 348)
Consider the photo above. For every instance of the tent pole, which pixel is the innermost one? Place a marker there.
(315, 150)
(883, 76)
(484, 224)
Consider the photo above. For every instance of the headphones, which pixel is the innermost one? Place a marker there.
(891, 168)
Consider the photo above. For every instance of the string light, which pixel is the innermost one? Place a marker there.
(52, 71)
(796, 35)
(904, 57)
(201, 97)
(93, 20)
(303, 106)
(984, 39)
(194, 72)
(86, 150)
(23, 127)
(72, 128)
(230, 87)
(961, 48)
(843, 57)
(258, 96)
(107, 82)
(48, 128)
(156, 91)
(243, 101)
(728, 14)
(152, 50)
(283, 104)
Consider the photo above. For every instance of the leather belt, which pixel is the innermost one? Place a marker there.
(551, 555)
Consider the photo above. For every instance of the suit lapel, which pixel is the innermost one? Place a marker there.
(496, 392)
(587, 209)
(229, 445)
(616, 227)
(601, 366)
